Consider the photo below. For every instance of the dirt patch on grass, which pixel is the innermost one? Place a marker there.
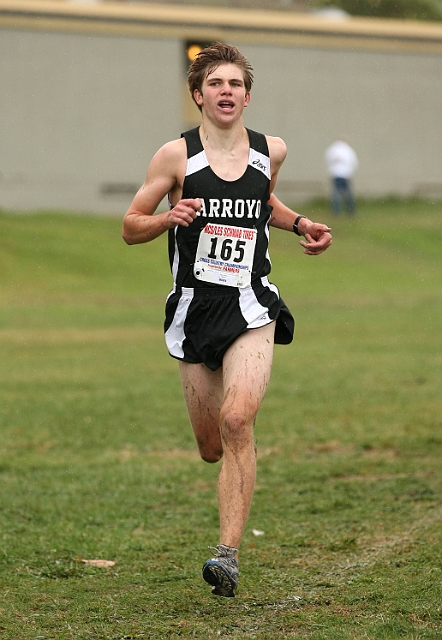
(77, 336)
(381, 476)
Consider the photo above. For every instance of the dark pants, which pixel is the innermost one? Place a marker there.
(342, 192)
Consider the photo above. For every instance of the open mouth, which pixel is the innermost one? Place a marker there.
(225, 105)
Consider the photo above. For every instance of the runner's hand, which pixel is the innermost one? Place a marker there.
(317, 238)
(184, 212)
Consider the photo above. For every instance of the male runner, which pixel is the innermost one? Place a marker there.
(222, 315)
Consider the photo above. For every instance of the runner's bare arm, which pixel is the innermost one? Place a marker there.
(317, 235)
(164, 176)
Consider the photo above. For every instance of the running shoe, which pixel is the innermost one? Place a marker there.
(222, 571)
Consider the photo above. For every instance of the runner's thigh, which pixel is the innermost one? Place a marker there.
(203, 393)
(247, 366)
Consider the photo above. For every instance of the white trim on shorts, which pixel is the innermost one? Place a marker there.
(175, 335)
(252, 310)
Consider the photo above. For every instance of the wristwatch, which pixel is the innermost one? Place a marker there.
(295, 225)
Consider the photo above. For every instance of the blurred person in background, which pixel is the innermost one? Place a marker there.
(342, 163)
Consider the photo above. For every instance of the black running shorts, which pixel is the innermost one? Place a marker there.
(201, 324)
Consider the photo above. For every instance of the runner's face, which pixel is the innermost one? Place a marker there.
(223, 95)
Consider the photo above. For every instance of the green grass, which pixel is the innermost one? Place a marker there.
(97, 459)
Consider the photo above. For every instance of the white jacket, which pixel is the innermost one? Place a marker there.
(341, 160)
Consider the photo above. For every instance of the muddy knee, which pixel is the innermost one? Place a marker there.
(237, 430)
(211, 456)
(210, 452)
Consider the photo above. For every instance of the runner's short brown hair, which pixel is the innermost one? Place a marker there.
(209, 58)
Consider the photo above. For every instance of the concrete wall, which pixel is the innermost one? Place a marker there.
(388, 106)
(81, 115)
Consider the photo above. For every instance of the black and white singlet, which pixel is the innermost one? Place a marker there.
(238, 203)
(220, 262)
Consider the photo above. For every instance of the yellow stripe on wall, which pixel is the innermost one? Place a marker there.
(209, 23)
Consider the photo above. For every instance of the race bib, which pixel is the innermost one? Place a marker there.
(225, 255)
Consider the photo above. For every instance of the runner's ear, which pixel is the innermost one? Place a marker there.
(198, 97)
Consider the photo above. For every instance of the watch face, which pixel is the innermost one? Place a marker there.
(295, 224)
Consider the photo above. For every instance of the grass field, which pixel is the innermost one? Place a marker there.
(97, 459)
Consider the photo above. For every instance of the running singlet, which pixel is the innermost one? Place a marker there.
(227, 243)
